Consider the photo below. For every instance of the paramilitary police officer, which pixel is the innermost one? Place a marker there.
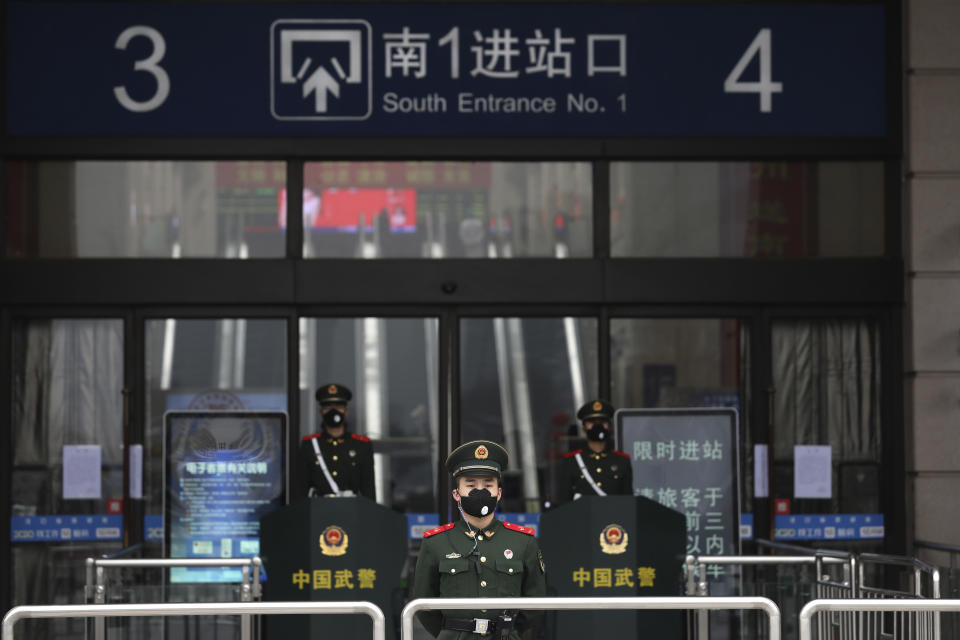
(335, 462)
(600, 470)
(478, 555)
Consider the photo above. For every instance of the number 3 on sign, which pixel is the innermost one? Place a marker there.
(148, 64)
(766, 87)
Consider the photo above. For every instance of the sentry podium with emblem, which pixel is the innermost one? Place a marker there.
(333, 549)
(614, 546)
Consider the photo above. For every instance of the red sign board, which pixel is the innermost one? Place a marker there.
(781, 506)
(114, 505)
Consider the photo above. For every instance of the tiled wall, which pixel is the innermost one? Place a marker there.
(932, 250)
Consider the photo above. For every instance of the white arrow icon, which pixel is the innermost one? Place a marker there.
(321, 55)
(320, 82)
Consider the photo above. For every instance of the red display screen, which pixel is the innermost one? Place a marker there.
(344, 209)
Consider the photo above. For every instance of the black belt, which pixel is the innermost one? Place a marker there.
(482, 626)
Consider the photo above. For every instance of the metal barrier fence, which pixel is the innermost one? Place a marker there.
(861, 576)
(698, 585)
(655, 603)
(864, 605)
(95, 590)
(918, 580)
(193, 609)
(946, 557)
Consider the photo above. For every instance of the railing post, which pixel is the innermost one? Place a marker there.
(100, 597)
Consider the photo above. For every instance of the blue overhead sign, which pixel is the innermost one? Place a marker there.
(611, 70)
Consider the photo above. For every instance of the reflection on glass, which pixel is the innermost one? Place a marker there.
(447, 210)
(746, 209)
(826, 374)
(522, 381)
(390, 364)
(67, 390)
(162, 209)
(685, 362)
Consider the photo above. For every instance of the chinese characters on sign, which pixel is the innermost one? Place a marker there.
(334, 579)
(502, 54)
(607, 577)
(686, 460)
(221, 468)
(499, 54)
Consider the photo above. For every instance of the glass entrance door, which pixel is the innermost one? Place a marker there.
(67, 459)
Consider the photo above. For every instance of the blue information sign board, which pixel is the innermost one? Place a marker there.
(274, 69)
(832, 526)
(66, 528)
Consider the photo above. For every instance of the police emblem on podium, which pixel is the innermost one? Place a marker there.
(334, 541)
(613, 539)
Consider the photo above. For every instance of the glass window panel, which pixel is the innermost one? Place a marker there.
(391, 366)
(826, 377)
(522, 381)
(161, 209)
(746, 209)
(685, 362)
(447, 209)
(67, 390)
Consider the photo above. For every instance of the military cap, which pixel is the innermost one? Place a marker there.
(596, 409)
(477, 458)
(333, 393)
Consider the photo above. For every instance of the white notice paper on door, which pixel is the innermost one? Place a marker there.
(812, 472)
(81, 471)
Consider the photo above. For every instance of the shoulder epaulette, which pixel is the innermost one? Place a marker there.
(357, 436)
(573, 453)
(620, 453)
(518, 528)
(440, 529)
(310, 437)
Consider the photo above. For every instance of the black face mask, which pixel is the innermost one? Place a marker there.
(479, 503)
(333, 419)
(597, 433)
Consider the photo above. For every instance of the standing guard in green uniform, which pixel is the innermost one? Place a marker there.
(478, 555)
(600, 470)
(336, 462)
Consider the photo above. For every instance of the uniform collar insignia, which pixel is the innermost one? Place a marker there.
(469, 533)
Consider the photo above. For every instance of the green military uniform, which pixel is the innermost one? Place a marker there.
(609, 469)
(348, 458)
(461, 561)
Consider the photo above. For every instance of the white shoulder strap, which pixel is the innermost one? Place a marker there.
(589, 478)
(334, 487)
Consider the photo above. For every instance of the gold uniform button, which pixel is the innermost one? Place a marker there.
(483, 583)
(453, 570)
(334, 473)
(599, 470)
(483, 558)
(479, 537)
(510, 570)
(599, 484)
(334, 458)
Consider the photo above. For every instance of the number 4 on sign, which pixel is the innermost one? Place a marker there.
(766, 87)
